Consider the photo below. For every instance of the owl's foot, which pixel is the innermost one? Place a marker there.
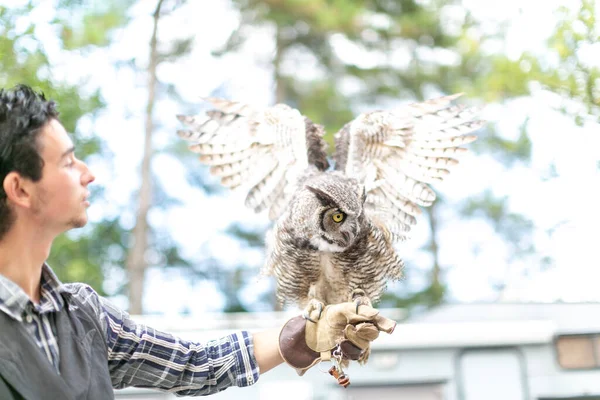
(313, 305)
(359, 297)
(364, 356)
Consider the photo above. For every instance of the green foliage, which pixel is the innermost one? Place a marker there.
(178, 49)
(507, 151)
(21, 64)
(508, 225)
(85, 257)
(432, 295)
(230, 282)
(385, 31)
(317, 96)
(92, 28)
(575, 75)
(250, 237)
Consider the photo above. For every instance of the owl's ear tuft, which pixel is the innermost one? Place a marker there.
(324, 198)
(362, 193)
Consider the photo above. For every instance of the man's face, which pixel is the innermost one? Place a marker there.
(60, 200)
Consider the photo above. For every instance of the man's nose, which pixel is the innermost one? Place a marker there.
(88, 176)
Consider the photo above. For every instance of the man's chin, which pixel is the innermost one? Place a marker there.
(79, 223)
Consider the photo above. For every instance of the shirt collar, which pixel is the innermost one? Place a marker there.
(14, 302)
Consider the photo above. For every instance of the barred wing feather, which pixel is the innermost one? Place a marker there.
(269, 149)
(398, 154)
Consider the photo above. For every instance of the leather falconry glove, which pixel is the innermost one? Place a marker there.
(344, 329)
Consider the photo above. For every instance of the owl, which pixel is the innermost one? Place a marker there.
(335, 227)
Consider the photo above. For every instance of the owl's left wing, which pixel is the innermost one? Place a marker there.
(269, 149)
(396, 154)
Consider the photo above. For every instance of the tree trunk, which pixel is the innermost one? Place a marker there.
(280, 90)
(436, 295)
(136, 262)
(280, 97)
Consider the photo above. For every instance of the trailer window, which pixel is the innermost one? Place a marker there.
(578, 351)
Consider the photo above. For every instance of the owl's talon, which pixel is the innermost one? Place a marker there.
(320, 306)
(364, 356)
(356, 294)
(359, 297)
(307, 317)
(313, 305)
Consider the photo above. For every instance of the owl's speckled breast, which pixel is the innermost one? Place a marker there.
(331, 280)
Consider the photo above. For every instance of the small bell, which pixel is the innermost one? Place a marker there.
(342, 378)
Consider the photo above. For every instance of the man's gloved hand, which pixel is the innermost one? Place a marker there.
(345, 328)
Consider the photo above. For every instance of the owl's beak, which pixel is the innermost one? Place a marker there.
(347, 237)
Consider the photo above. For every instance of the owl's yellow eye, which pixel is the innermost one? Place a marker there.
(338, 217)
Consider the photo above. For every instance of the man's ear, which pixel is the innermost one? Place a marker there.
(17, 189)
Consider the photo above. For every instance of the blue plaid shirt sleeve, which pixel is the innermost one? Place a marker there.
(144, 357)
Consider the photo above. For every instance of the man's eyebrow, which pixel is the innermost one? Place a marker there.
(69, 151)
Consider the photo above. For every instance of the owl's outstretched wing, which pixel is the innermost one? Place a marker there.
(398, 153)
(269, 149)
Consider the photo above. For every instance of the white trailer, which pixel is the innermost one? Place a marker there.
(455, 352)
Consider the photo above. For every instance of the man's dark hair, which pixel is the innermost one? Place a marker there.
(23, 113)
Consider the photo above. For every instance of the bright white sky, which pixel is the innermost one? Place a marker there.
(571, 199)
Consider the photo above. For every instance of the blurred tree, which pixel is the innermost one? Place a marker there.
(145, 244)
(25, 58)
(570, 67)
(335, 59)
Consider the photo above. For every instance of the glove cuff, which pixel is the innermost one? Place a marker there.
(293, 347)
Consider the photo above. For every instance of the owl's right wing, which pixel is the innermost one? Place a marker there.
(267, 148)
(396, 154)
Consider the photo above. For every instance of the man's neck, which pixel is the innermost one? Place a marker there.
(22, 255)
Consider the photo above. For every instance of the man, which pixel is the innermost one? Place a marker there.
(63, 341)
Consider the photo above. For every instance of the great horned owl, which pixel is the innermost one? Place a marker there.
(335, 229)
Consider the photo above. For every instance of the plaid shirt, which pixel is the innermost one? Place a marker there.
(137, 355)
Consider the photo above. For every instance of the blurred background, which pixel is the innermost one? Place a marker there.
(515, 224)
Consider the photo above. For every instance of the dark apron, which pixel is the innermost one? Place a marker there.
(26, 373)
